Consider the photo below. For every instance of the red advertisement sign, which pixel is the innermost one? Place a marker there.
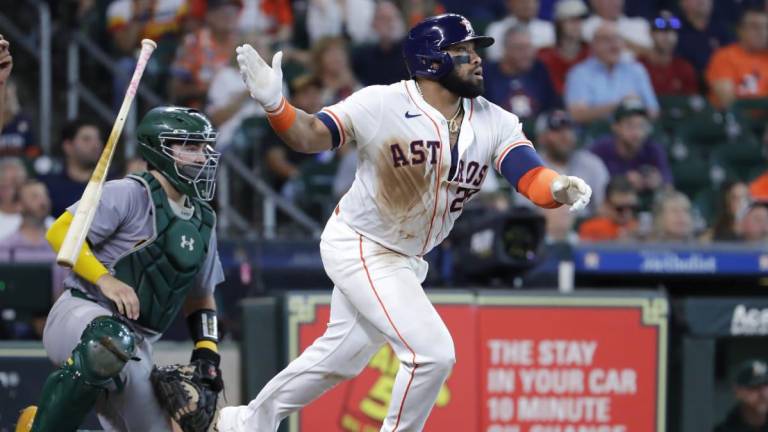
(524, 364)
(571, 365)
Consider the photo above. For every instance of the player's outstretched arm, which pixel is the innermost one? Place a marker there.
(301, 131)
(524, 169)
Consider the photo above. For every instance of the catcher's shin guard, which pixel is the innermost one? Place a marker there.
(69, 393)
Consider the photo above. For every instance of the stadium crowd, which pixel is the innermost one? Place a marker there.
(659, 105)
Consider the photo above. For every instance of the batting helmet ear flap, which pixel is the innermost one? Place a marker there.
(434, 65)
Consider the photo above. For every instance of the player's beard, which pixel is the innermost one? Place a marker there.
(462, 87)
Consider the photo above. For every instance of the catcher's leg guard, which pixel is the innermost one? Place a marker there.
(69, 393)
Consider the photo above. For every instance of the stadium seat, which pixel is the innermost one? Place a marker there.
(752, 114)
(691, 175)
(708, 128)
(676, 109)
(741, 160)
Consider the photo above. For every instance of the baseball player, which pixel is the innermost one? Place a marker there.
(151, 251)
(425, 146)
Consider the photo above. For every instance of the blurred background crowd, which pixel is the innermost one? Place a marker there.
(660, 105)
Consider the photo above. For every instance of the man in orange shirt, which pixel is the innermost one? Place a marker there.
(617, 220)
(740, 70)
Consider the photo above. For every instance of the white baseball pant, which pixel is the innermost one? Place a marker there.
(377, 298)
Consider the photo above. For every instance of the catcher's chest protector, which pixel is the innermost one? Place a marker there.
(164, 268)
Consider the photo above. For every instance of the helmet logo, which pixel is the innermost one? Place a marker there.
(187, 243)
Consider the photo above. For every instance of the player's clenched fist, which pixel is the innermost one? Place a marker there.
(122, 294)
(264, 83)
(572, 191)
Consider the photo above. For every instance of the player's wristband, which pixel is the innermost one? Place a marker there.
(87, 265)
(203, 326)
(281, 119)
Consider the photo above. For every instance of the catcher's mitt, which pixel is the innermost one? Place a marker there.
(188, 393)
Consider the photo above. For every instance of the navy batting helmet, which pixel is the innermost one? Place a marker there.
(423, 48)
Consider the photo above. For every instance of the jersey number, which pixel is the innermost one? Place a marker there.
(463, 194)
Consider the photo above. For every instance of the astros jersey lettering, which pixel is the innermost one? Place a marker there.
(409, 189)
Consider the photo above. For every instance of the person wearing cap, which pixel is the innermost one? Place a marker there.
(569, 48)
(520, 83)
(737, 71)
(635, 31)
(670, 74)
(595, 87)
(750, 388)
(203, 53)
(629, 150)
(524, 13)
(556, 143)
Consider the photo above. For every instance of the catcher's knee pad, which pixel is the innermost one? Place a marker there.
(106, 345)
(70, 392)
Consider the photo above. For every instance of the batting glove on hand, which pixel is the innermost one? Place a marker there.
(265, 84)
(572, 191)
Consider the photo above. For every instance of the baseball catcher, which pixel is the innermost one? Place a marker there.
(150, 252)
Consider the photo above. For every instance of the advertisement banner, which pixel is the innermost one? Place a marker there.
(565, 364)
(524, 364)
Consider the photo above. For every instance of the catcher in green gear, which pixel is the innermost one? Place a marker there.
(150, 252)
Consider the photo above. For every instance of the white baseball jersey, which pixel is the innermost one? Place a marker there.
(406, 194)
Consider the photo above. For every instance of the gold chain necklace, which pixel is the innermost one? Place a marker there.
(453, 125)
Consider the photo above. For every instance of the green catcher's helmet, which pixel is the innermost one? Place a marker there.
(166, 126)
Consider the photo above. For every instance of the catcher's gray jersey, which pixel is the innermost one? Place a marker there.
(122, 220)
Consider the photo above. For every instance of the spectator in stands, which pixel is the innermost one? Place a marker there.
(699, 34)
(16, 138)
(672, 217)
(520, 83)
(81, 143)
(596, 86)
(569, 48)
(754, 224)
(417, 10)
(617, 218)
(6, 65)
(732, 202)
(521, 13)
(335, 18)
(28, 243)
(636, 31)
(670, 74)
(629, 150)
(750, 388)
(203, 53)
(556, 144)
(382, 62)
(12, 176)
(282, 163)
(130, 21)
(739, 70)
(331, 62)
(228, 100)
(267, 19)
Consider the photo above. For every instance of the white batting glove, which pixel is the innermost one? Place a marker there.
(572, 191)
(265, 84)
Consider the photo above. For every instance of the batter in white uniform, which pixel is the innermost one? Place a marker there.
(424, 147)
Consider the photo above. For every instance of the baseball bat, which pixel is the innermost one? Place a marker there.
(89, 202)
